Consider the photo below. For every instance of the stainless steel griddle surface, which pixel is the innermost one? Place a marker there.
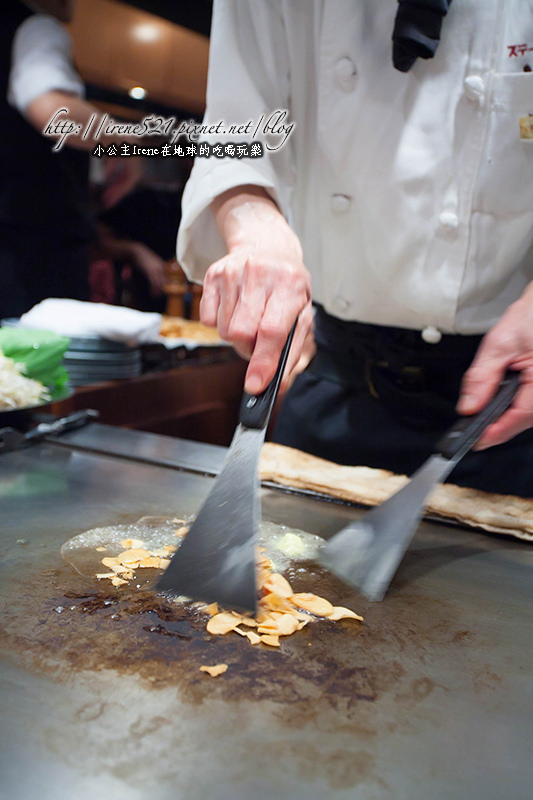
(101, 693)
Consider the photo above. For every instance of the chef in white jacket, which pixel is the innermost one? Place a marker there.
(403, 196)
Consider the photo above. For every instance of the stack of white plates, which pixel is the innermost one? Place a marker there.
(93, 360)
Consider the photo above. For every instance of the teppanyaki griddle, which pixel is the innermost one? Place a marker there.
(101, 693)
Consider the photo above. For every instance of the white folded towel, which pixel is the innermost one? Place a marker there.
(79, 319)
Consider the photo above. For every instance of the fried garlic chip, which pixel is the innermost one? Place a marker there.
(115, 565)
(273, 602)
(270, 639)
(222, 623)
(278, 585)
(134, 555)
(153, 562)
(216, 669)
(250, 622)
(129, 544)
(339, 612)
(279, 624)
(318, 606)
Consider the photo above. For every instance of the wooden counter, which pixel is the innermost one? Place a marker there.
(198, 400)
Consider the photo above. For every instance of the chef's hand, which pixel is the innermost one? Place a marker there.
(509, 345)
(254, 294)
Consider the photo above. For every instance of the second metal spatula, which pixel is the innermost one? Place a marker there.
(367, 553)
(216, 561)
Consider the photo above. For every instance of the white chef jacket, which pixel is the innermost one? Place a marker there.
(412, 193)
(41, 62)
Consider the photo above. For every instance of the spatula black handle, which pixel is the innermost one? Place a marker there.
(467, 430)
(69, 423)
(256, 408)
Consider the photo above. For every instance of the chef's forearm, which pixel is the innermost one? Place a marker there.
(42, 109)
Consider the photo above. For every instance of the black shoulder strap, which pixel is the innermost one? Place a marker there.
(417, 30)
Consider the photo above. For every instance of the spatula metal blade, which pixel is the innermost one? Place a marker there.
(217, 561)
(10, 439)
(366, 553)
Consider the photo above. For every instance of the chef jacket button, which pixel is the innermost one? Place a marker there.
(449, 220)
(345, 74)
(474, 87)
(340, 203)
(341, 304)
(431, 335)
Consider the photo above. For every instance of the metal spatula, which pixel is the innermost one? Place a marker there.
(366, 553)
(216, 561)
(12, 439)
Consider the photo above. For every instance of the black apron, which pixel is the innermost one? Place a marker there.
(381, 397)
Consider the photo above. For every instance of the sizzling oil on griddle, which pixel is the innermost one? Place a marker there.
(85, 551)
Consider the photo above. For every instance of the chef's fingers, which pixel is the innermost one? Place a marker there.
(517, 418)
(302, 349)
(229, 298)
(228, 305)
(247, 315)
(253, 301)
(275, 325)
(210, 300)
(508, 345)
(480, 381)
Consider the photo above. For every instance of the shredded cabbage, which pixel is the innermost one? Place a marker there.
(17, 391)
